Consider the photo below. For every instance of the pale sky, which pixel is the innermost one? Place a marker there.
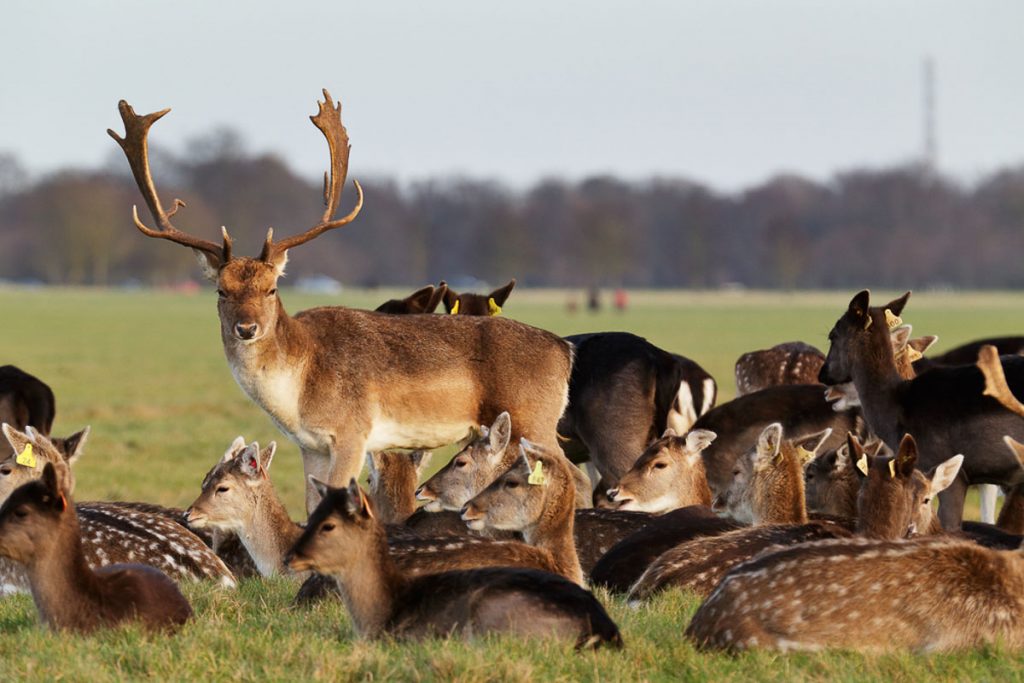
(726, 92)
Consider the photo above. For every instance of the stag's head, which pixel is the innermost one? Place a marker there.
(246, 287)
(860, 332)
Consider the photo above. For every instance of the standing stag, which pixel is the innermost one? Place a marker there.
(340, 382)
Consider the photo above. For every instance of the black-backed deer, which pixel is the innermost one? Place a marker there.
(344, 539)
(111, 532)
(475, 304)
(966, 354)
(944, 408)
(39, 531)
(423, 300)
(788, 363)
(25, 401)
(669, 474)
(341, 382)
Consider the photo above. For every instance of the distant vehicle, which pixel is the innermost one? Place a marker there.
(318, 284)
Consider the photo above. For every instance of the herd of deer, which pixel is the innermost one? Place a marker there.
(801, 512)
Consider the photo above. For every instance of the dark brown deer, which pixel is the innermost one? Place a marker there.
(669, 474)
(39, 531)
(424, 300)
(944, 408)
(967, 354)
(111, 532)
(341, 382)
(25, 401)
(788, 363)
(476, 304)
(344, 539)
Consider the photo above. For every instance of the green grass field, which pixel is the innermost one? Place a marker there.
(146, 371)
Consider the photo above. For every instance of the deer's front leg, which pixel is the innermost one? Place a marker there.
(344, 462)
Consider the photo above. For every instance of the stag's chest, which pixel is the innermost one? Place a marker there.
(279, 392)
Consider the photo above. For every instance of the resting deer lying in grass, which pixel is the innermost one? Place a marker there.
(341, 382)
(475, 304)
(39, 531)
(668, 475)
(394, 478)
(788, 363)
(424, 300)
(24, 401)
(929, 595)
(536, 497)
(944, 408)
(344, 539)
(768, 492)
(111, 533)
(238, 497)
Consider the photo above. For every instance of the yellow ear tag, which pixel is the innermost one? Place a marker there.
(862, 465)
(892, 469)
(455, 308)
(26, 457)
(913, 354)
(493, 308)
(804, 454)
(537, 476)
(893, 321)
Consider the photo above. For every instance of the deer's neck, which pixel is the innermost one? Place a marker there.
(283, 347)
(780, 499)
(64, 588)
(877, 380)
(270, 534)
(369, 586)
(695, 490)
(554, 533)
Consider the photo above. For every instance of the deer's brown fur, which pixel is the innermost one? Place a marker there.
(394, 477)
(344, 539)
(669, 474)
(424, 300)
(39, 530)
(476, 304)
(929, 595)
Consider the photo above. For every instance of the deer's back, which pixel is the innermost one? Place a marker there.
(925, 595)
(138, 591)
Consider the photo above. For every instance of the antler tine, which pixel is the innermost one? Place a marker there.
(136, 149)
(328, 120)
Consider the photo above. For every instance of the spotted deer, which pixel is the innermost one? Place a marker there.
(340, 382)
(39, 531)
(788, 363)
(536, 497)
(25, 401)
(394, 477)
(475, 304)
(768, 492)
(669, 474)
(344, 539)
(424, 300)
(110, 533)
(238, 497)
(944, 408)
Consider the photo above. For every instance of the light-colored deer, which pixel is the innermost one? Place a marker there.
(341, 382)
(668, 475)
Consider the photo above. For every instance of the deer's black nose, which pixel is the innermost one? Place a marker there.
(246, 330)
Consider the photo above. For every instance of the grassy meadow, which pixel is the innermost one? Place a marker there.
(146, 371)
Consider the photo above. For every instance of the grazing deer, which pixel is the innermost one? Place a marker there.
(788, 363)
(475, 304)
(24, 401)
(423, 300)
(111, 532)
(623, 394)
(39, 531)
(238, 497)
(394, 478)
(801, 410)
(944, 408)
(668, 475)
(536, 497)
(344, 539)
(340, 382)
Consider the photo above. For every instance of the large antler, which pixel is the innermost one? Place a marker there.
(136, 149)
(328, 120)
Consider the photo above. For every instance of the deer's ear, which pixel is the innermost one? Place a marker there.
(906, 456)
(236, 447)
(319, 488)
(897, 305)
(768, 444)
(500, 295)
(859, 304)
(52, 483)
(210, 264)
(420, 299)
(74, 445)
(267, 455)
(944, 473)
(450, 299)
(501, 432)
(249, 460)
(699, 439)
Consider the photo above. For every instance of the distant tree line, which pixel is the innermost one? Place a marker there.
(893, 227)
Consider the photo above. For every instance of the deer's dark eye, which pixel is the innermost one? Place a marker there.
(221, 293)
(223, 489)
(660, 465)
(272, 292)
(513, 484)
(461, 463)
(325, 528)
(5, 471)
(21, 513)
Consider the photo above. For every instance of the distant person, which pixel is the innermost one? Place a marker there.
(594, 299)
(621, 300)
